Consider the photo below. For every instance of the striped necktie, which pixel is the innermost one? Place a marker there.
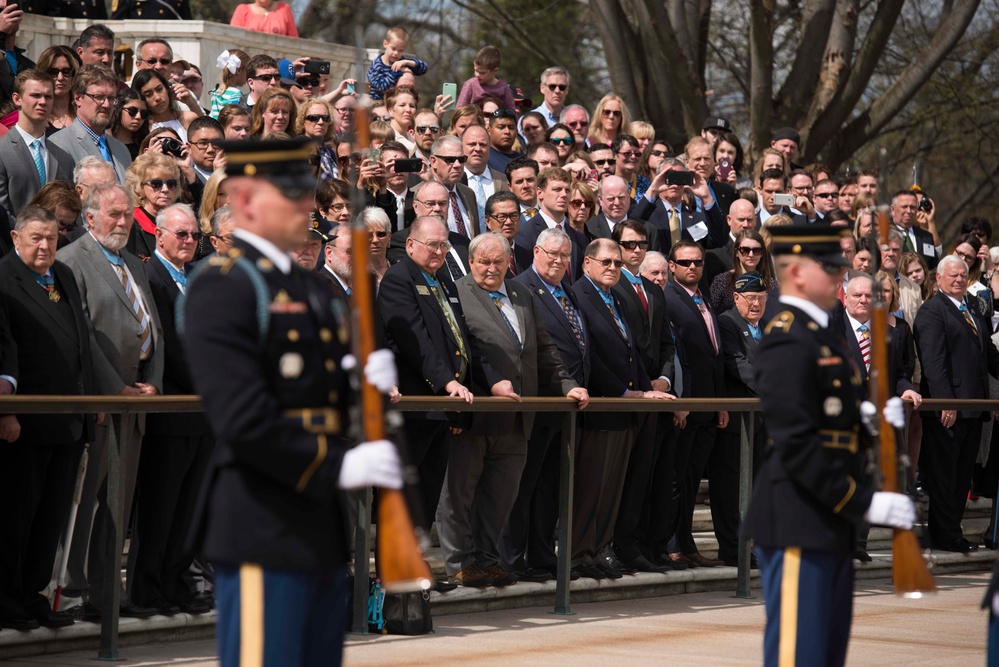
(36, 155)
(497, 298)
(968, 318)
(145, 331)
(570, 314)
(865, 345)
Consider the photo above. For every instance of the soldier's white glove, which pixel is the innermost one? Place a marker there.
(373, 463)
(895, 412)
(891, 509)
(379, 370)
(869, 417)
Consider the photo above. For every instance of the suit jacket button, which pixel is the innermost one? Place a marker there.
(457, 353)
(630, 384)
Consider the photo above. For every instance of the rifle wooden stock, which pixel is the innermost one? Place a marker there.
(910, 574)
(401, 565)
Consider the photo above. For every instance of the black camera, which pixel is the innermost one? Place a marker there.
(925, 205)
(317, 67)
(171, 146)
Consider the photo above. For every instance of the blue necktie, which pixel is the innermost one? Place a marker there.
(497, 298)
(102, 144)
(36, 155)
(480, 199)
(609, 302)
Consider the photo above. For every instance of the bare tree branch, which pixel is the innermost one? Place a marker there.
(801, 83)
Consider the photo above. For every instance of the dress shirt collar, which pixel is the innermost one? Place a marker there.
(551, 222)
(855, 324)
(28, 139)
(345, 286)
(282, 260)
(486, 176)
(957, 302)
(820, 316)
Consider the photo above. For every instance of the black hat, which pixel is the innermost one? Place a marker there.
(787, 133)
(750, 282)
(715, 123)
(319, 227)
(283, 162)
(820, 242)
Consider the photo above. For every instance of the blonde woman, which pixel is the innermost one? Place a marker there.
(609, 119)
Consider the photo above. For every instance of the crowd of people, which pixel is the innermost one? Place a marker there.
(517, 250)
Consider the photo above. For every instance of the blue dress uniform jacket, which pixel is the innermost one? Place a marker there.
(150, 9)
(276, 402)
(810, 491)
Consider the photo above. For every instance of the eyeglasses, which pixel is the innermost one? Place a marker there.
(136, 111)
(581, 203)
(54, 72)
(504, 113)
(68, 226)
(433, 204)
(428, 129)
(224, 238)
(607, 263)
(310, 81)
(610, 112)
(564, 141)
(601, 163)
(561, 87)
(966, 258)
(267, 77)
(153, 61)
(184, 236)
(101, 100)
(338, 208)
(552, 256)
(504, 217)
(158, 183)
(689, 262)
(451, 159)
(747, 250)
(344, 110)
(317, 117)
(204, 144)
(632, 245)
(826, 195)
(755, 298)
(658, 153)
(579, 123)
(630, 154)
(435, 246)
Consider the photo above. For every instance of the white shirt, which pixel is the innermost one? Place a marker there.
(820, 316)
(855, 324)
(550, 221)
(282, 260)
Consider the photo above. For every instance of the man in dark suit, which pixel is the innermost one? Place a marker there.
(176, 447)
(914, 238)
(27, 161)
(957, 356)
(606, 443)
(741, 216)
(502, 216)
(447, 161)
(553, 200)
(431, 199)
(774, 182)
(741, 331)
(664, 208)
(337, 269)
(614, 204)
(47, 345)
(528, 545)
(486, 461)
(645, 305)
(696, 325)
(424, 325)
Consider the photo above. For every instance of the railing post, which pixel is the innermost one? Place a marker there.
(110, 593)
(362, 549)
(566, 480)
(746, 438)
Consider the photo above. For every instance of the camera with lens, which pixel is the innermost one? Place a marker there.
(926, 206)
(172, 147)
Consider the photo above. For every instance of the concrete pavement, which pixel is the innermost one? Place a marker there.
(710, 628)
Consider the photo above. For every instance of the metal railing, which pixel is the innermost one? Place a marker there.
(122, 405)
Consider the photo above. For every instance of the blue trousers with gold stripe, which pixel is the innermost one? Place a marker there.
(283, 618)
(809, 602)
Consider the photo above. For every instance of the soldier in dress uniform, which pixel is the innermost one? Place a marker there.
(812, 492)
(265, 350)
(150, 9)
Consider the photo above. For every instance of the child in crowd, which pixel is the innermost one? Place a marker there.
(389, 67)
(232, 76)
(485, 83)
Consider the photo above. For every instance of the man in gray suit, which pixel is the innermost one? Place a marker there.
(94, 91)
(508, 335)
(27, 162)
(119, 306)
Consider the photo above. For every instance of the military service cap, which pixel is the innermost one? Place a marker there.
(820, 242)
(283, 162)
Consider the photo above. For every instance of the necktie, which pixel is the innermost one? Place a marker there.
(674, 225)
(145, 331)
(968, 318)
(558, 226)
(453, 266)
(706, 314)
(642, 297)
(609, 302)
(102, 144)
(865, 345)
(480, 199)
(570, 314)
(36, 155)
(530, 213)
(907, 245)
(497, 298)
(438, 293)
(513, 264)
(456, 212)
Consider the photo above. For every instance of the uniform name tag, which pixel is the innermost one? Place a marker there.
(423, 290)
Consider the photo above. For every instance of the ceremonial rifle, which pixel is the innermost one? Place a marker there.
(910, 573)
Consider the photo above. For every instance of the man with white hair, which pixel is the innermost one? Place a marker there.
(957, 356)
(337, 268)
(577, 118)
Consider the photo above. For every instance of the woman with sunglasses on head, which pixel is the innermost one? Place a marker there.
(560, 136)
(161, 102)
(609, 119)
(154, 180)
(128, 120)
(61, 64)
(749, 253)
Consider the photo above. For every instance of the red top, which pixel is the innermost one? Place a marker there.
(278, 22)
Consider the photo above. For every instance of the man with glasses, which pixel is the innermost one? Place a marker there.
(502, 126)
(394, 195)
(903, 220)
(480, 178)
(154, 53)
(261, 74)
(94, 90)
(552, 187)
(430, 199)
(803, 189)
(577, 118)
(615, 201)
(910, 295)
(696, 326)
(344, 114)
(826, 198)
(554, 89)
(176, 447)
(604, 159)
(203, 136)
(223, 226)
(27, 161)
(447, 161)
(665, 209)
(425, 327)
(502, 215)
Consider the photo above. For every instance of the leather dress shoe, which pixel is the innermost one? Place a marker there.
(473, 576)
(666, 563)
(613, 562)
(85, 611)
(679, 558)
(535, 574)
(610, 571)
(701, 561)
(208, 597)
(23, 623)
(966, 547)
(129, 609)
(195, 606)
(642, 564)
(442, 586)
(862, 556)
(53, 619)
(500, 576)
(164, 608)
(590, 571)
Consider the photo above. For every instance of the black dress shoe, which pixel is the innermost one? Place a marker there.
(442, 586)
(23, 623)
(590, 571)
(85, 611)
(862, 556)
(129, 609)
(667, 564)
(614, 562)
(753, 563)
(194, 606)
(962, 547)
(609, 570)
(207, 597)
(53, 619)
(642, 564)
(535, 574)
(164, 608)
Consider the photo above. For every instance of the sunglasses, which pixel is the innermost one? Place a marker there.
(630, 154)
(184, 236)
(689, 262)
(658, 153)
(610, 112)
(54, 72)
(136, 111)
(311, 81)
(746, 250)
(632, 245)
(504, 113)
(158, 183)
(316, 117)
(581, 203)
(451, 159)
(267, 77)
(578, 123)
(379, 235)
(428, 129)
(826, 195)
(564, 141)
(561, 87)
(603, 163)
(153, 61)
(607, 263)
